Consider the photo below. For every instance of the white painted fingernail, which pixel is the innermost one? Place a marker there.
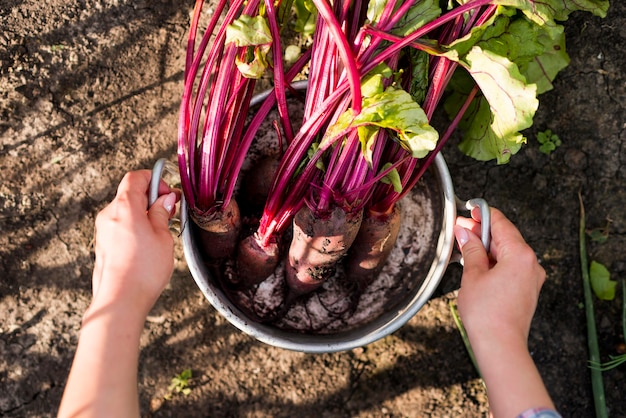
(169, 202)
(461, 234)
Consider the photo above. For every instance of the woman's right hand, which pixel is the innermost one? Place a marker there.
(496, 302)
(499, 290)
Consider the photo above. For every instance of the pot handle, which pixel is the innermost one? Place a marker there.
(163, 168)
(485, 222)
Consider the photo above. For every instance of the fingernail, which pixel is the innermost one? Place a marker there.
(461, 234)
(169, 202)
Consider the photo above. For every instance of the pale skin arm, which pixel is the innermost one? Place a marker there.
(496, 302)
(134, 261)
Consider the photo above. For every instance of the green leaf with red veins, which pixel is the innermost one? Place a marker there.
(395, 110)
(492, 28)
(542, 70)
(417, 16)
(538, 50)
(419, 72)
(546, 11)
(504, 34)
(493, 131)
(517, 40)
(252, 32)
(481, 142)
(249, 31)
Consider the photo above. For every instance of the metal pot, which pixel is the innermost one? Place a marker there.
(410, 303)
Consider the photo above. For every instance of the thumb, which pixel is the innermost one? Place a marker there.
(160, 213)
(474, 254)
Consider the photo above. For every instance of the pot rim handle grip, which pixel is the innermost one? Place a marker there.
(485, 222)
(161, 167)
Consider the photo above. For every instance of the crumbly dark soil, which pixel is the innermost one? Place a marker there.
(90, 89)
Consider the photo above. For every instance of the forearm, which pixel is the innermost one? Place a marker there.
(103, 378)
(512, 379)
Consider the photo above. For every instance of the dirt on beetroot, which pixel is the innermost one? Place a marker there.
(90, 89)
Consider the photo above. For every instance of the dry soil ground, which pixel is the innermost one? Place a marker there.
(90, 89)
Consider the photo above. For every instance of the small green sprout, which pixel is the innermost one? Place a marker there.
(549, 141)
(180, 384)
(600, 235)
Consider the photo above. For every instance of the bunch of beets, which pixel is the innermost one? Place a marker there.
(377, 71)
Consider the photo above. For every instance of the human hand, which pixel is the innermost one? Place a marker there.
(134, 247)
(134, 261)
(499, 290)
(496, 302)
